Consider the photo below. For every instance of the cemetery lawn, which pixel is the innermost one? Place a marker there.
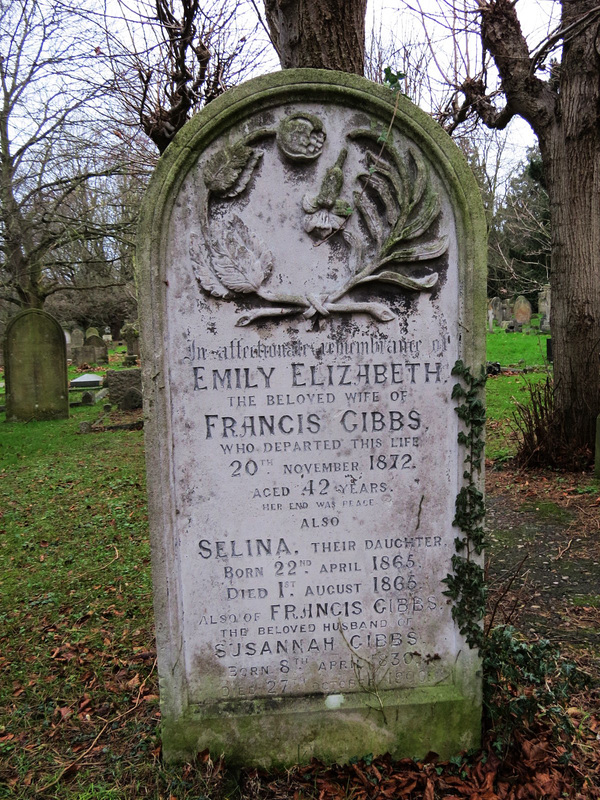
(523, 361)
(79, 714)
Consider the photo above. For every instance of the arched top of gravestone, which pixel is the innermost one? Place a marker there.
(522, 310)
(322, 168)
(91, 332)
(94, 341)
(35, 356)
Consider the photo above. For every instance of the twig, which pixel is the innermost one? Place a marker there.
(563, 550)
(504, 592)
(104, 566)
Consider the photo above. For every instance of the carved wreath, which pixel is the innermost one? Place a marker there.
(395, 202)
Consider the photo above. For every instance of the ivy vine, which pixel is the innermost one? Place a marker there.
(466, 584)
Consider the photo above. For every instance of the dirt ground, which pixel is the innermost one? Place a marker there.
(543, 558)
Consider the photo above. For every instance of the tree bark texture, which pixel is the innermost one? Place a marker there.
(324, 34)
(564, 112)
(571, 154)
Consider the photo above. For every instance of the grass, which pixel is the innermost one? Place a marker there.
(75, 583)
(517, 349)
(78, 689)
(524, 352)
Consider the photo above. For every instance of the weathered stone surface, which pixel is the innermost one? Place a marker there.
(131, 335)
(68, 343)
(100, 349)
(124, 384)
(307, 283)
(77, 337)
(92, 332)
(496, 307)
(88, 380)
(522, 310)
(35, 368)
(132, 399)
(544, 306)
(88, 354)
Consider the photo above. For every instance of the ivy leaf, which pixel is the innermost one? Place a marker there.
(228, 172)
(240, 260)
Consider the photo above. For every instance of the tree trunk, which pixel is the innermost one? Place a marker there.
(325, 34)
(571, 155)
(563, 109)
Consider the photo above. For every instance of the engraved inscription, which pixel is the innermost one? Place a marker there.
(316, 469)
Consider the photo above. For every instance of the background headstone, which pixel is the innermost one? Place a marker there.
(87, 380)
(522, 310)
(68, 343)
(302, 445)
(496, 305)
(544, 304)
(91, 332)
(124, 388)
(77, 337)
(35, 368)
(81, 356)
(131, 335)
(131, 400)
(96, 344)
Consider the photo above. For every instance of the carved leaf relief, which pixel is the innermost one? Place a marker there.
(229, 171)
(202, 270)
(389, 227)
(239, 259)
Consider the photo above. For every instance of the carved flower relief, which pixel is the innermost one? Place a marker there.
(323, 223)
(395, 201)
(327, 212)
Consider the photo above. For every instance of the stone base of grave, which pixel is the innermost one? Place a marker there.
(334, 728)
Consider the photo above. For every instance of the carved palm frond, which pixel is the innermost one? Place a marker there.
(401, 188)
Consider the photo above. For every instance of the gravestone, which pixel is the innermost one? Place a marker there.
(67, 343)
(506, 311)
(125, 388)
(85, 381)
(91, 332)
(522, 310)
(35, 362)
(77, 337)
(544, 304)
(131, 334)
(307, 282)
(96, 344)
(89, 354)
(131, 400)
(496, 306)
